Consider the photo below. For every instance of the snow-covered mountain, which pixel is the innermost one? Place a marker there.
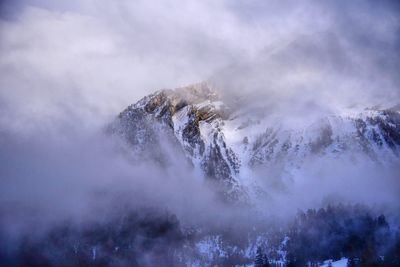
(226, 144)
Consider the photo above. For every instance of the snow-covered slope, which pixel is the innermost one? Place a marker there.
(339, 263)
(190, 119)
(226, 144)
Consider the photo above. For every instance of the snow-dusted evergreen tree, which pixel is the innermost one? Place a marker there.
(261, 259)
(351, 262)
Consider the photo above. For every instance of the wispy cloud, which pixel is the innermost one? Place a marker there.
(68, 68)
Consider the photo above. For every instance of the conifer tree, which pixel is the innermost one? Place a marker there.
(261, 259)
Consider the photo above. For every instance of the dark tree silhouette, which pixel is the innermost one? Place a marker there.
(261, 259)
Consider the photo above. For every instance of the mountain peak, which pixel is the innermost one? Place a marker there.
(191, 118)
(227, 146)
(192, 94)
(198, 92)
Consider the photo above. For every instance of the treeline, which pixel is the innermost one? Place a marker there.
(133, 239)
(341, 231)
(154, 238)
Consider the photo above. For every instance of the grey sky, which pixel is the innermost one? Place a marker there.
(90, 59)
(68, 67)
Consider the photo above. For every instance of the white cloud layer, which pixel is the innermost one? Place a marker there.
(66, 68)
(86, 60)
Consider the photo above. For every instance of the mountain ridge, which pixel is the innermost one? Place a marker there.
(225, 146)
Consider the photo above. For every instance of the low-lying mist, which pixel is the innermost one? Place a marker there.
(68, 69)
(75, 188)
(79, 176)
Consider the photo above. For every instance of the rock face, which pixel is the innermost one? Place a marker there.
(224, 145)
(190, 119)
(373, 133)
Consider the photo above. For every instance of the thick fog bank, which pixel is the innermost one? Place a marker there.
(67, 69)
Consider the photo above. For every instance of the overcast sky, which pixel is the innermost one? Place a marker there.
(69, 67)
(87, 60)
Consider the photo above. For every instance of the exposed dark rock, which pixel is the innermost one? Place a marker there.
(142, 124)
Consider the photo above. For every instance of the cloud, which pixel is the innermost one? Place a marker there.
(93, 59)
(66, 69)
(90, 59)
(47, 179)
